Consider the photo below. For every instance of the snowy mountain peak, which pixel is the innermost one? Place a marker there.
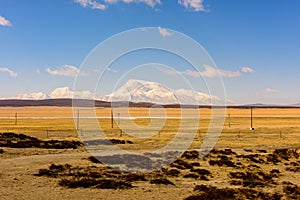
(152, 92)
(66, 92)
(63, 92)
(134, 91)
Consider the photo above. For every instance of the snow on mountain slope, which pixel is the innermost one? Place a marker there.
(58, 93)
(65, 92)
(29, 96)
(134, 91)
(144, 91)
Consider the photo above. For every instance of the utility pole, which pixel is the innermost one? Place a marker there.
(112, 118)
(16, 119)
(228, 120)
(251, 120)
(77, 119)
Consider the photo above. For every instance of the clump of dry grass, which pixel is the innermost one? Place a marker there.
(291, 190)
(131, 161)
(252, 179)
(209, 192)
(96, 183)
(222, 161)
(14, 140)
(91, 176)
(172, 172)
(53, 171)
(190, 155)
(163, 181)
(181, 164)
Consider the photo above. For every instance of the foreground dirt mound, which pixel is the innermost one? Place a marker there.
(223, 174)
(14, 140)
(107, 142)
(97, 177)
(129, 160)
(208, 192)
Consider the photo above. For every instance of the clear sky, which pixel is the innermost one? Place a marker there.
(254, 43)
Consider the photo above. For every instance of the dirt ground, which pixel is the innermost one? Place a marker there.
(221, 169)
(260, 164)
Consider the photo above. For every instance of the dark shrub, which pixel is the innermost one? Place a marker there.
(97, 183)
(191, 175)
(163, 181)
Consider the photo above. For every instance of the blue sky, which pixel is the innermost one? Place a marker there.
(43, 43)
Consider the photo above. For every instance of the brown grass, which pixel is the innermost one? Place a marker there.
(273, 127)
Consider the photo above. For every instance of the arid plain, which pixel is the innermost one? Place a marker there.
(263, 163)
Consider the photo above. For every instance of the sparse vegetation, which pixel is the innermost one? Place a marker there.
(222, 161)
(209, 192)
(227, 171)
(96, 183)
(13, 140)
(162, 181)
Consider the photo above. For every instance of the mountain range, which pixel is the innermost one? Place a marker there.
(152, 92)
(135, 91)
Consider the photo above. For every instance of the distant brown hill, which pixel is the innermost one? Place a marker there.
(67, 103)
(91, 103)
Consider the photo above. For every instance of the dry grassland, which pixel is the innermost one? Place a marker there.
(273, 127)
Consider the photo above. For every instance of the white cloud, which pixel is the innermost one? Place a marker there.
(270, 90)
(102, 6)
(164, 32)
(247, 70)
(208, 71)
(91, 4)
(9, 71)
(195, 5)
(65, 70)
(150, 3)
(212, 72)
(111, 70)
(4, 22)
(168, 71)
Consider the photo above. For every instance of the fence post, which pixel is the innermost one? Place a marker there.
(16, 118)
(280, 134)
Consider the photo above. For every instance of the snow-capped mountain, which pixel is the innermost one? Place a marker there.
(67, 93)
(58, 93)
(30, 96)
(145, 91)
(141, 91)
(63, 92)
(136, 91)
(196, 98)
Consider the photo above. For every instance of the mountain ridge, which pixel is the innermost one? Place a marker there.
(139, 93)
(97, 103)
(157, 93)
